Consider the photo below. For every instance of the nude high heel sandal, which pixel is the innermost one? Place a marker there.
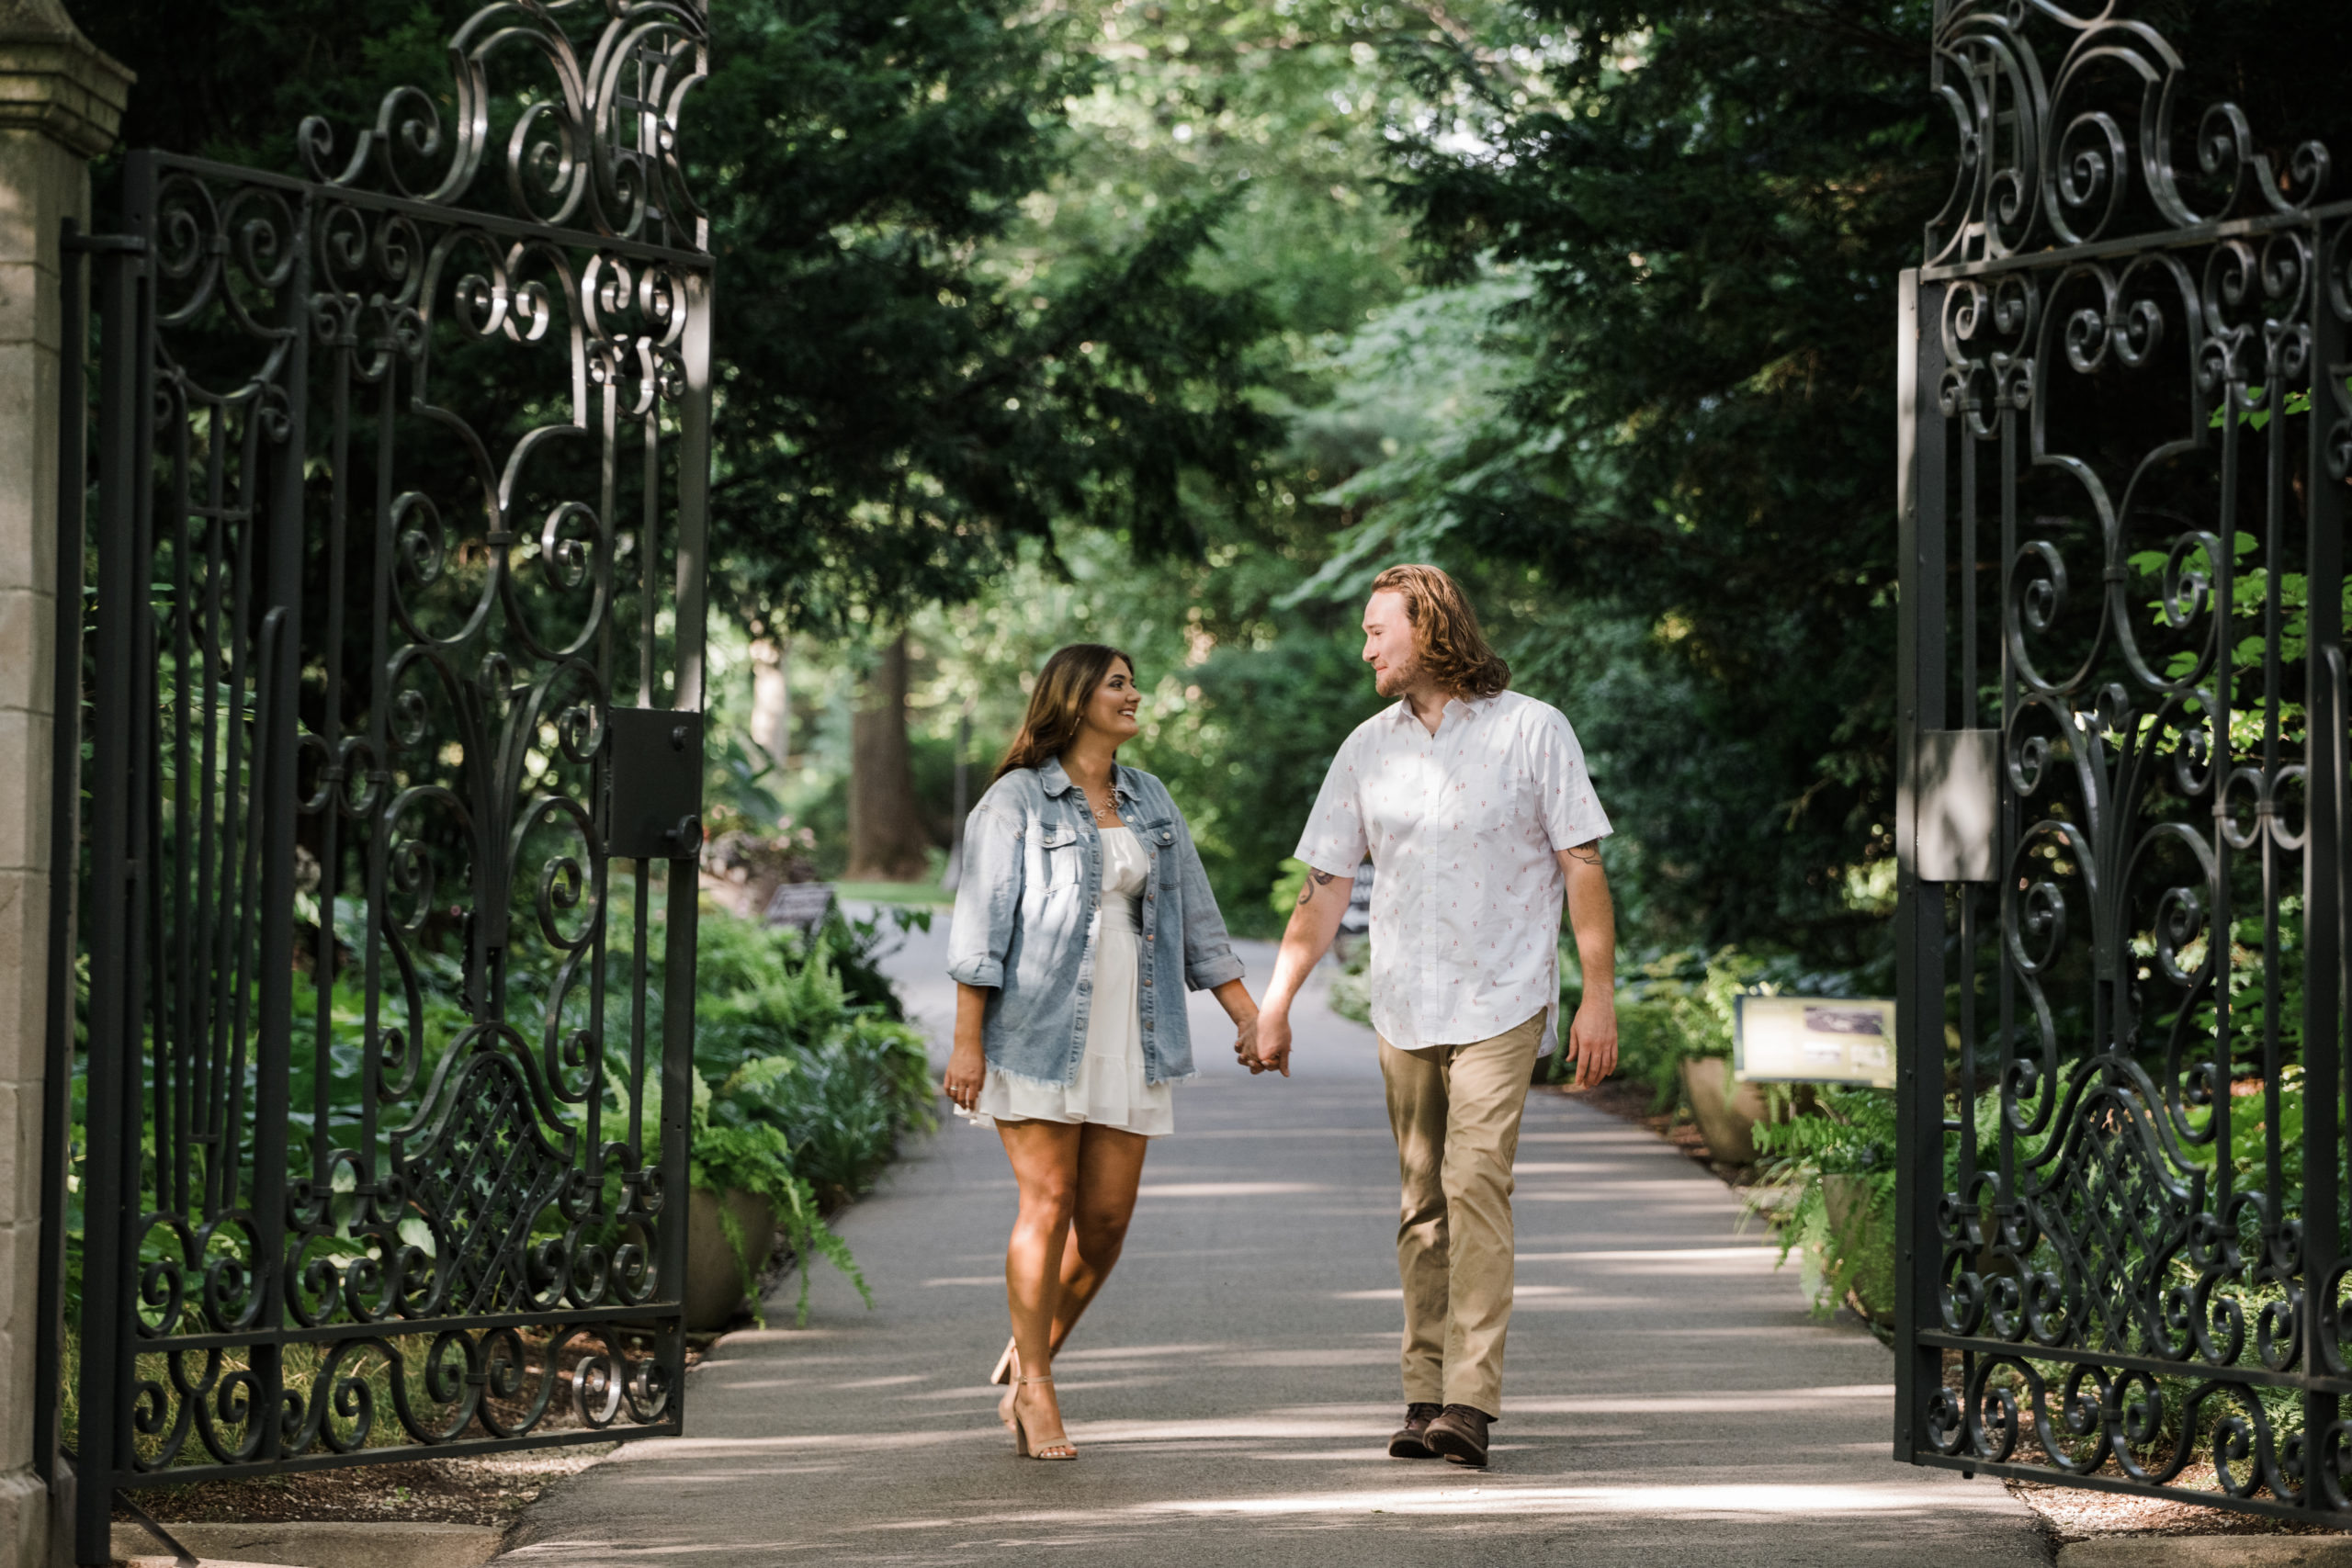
(1061, 1448)
(1006, 1364)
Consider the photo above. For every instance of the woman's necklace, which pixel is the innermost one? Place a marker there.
(1105, 814)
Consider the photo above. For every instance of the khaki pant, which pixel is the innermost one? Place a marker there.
(1455, 1110)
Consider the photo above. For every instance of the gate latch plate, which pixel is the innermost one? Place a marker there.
(654, 808)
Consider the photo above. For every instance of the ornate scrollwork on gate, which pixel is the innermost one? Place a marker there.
(416, 497)
(595, 137)
(2132, 313)
(2070, 118)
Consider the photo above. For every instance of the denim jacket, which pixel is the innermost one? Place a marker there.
(1025, 928)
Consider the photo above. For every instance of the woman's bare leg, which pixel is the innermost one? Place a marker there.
(1109, 1169)
(1044, 1157)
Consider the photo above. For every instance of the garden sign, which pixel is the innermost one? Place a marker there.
(1812, 1040)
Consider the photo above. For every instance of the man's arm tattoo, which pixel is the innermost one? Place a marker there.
(1315, 879)
(1588, 853)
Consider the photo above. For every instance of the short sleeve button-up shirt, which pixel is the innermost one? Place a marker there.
(1463, 828)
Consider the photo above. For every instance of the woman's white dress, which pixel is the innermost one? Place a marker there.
(1109, 1090)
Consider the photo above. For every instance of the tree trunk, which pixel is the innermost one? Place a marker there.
(887, 840)
(772, 699)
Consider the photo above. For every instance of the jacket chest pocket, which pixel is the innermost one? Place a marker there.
(1064, 857)
(1158, 839)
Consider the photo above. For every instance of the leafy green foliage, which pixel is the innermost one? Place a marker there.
(894, 410)
(1682, 1005)
(805, 1075)
(756, 1156)
(1844, 1238)
(1281, 110)
(785, 1036)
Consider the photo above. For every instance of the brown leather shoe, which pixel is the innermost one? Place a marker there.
(1459, 1434)
(1405, 1441)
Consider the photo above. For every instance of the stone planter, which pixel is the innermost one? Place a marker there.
(1727, 1111)
(714, 1278)
(1865, 1236)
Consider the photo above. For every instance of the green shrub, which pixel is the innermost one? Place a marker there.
(733, 1147)
(1846, 1133)
(1681, 1004)
(805, 1075)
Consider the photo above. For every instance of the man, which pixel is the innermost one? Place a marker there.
(1474, 804)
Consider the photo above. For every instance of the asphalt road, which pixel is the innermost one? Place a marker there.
(1668, 1401)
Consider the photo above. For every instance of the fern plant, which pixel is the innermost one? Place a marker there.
(732, 1149)
(804, 1081)
(1851, 1134)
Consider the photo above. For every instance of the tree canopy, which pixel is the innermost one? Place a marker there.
(895, 407)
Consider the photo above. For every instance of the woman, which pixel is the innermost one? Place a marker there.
(1079, 878)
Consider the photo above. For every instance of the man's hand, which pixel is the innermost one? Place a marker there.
(1322, 902)
(1592, 1041)
(1272, 1052)
(1592, 1038)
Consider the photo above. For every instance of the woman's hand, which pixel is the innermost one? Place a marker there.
(967, 1063)
(966, 1067)
(1238, 1007)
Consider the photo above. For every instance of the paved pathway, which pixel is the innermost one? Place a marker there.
(1670, 1402)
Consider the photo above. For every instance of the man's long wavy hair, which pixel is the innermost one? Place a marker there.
(1453, 651)
(1058, 703)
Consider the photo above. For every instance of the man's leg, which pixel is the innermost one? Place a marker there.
(1417, 1115)
(1486, 1091)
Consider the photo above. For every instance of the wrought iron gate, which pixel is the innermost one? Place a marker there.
(394, 650)
(2128, 425)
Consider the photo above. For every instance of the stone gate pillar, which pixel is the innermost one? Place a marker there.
(61, 102)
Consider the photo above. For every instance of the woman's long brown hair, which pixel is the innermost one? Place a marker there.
(1058, 703)
(1454, 650)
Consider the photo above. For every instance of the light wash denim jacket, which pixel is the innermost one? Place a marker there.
(1025, 928)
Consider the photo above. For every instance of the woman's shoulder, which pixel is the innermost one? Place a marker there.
(1018, 792)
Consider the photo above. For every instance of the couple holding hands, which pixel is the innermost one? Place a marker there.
(1070, 1034)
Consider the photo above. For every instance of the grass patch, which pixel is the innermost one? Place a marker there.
(925, 893)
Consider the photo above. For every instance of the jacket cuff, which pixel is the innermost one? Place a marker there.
(1211, 973)
(986, 972)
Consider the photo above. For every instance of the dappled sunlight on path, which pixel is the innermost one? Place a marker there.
(1669, 1400)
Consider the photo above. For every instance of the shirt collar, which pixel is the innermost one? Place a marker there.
(1468, 707)
(1057, 780)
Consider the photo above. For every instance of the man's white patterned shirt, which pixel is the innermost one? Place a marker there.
(1463, 828)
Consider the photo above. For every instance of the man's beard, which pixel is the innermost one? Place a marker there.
(1398, 679)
